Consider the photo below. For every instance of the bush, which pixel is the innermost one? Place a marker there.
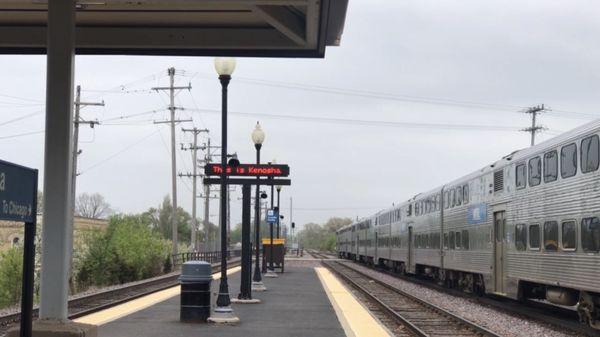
(11, 269)
(128, 251)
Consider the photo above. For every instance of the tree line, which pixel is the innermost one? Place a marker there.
(133, 247)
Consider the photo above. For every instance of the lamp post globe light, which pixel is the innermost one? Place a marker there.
(258, 137)
(223, 312)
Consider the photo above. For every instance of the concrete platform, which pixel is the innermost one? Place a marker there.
(295, 305)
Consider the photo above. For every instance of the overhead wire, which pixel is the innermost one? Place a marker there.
(398, 97)
(126, 148)
(412, 125)
(22, 134)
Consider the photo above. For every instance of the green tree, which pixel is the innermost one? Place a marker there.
(11, 269)
(129, 250)
(236, 234)
(322, 237)
(160, 220)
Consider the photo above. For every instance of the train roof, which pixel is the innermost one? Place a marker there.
(514, 156)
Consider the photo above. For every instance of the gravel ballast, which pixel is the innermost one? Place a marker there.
(495, 320)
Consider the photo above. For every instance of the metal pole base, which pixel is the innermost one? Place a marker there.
(245, 301)
(223, 315)
(271, 273)
(258, 286)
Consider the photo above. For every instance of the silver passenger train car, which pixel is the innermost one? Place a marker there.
(526, 226)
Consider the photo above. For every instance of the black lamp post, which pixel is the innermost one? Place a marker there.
(278, 191)
(223, 312)
(258, 137)
(271, 269)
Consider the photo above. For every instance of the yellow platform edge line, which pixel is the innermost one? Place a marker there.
(356, 320)
(128, 308)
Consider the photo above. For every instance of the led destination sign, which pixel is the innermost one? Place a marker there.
(249, 170)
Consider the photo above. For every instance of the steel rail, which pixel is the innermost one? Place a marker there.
(452, 318)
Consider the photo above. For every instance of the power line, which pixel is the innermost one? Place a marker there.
(21, 118)
(23, 134)
(22, 98)
(128, 147)
(410, 125)
(149, 112)
(398, 97)
(370, 94)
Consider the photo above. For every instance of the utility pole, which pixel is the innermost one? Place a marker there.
(534, 111)
(207, 159)
(78, 120)
(171, 88)
(194, 148)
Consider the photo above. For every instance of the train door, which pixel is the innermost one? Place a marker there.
(499, 247)
(409, 267)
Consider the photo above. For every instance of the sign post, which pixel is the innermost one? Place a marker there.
(250, 175)
(18, 202)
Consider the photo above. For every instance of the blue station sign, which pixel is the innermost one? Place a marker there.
(18, 192)
(272, 215)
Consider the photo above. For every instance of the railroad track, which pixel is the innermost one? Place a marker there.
(553, 315)
(88, 304)
(418, 316)
(318, 255)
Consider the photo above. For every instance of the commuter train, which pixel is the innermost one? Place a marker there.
(524, 227)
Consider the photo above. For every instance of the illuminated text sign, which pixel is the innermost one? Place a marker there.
(249, 170)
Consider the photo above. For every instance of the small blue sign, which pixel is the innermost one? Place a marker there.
(18, 192)
(272, 216)
(477, 214)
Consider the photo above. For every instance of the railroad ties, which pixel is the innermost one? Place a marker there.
(418, 316)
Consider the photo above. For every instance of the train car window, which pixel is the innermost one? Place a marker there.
(568, 160)
(520, 237)
(466, 194)
(535, 171)
(436, 240)
(465, 239)
(451, 243)
(590, 235)
(534, 236)
(569, 235)
(417, 209)
(445, 240)
(550, 166)
(459, 195)
(550, 236)
(446, 200)
(452, 198)
(521, 176)
(589, 154)
(458, 240)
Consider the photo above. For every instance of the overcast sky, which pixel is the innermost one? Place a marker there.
(410, 61)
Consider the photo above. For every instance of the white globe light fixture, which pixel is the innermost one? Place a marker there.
(224, 65)
(258, 135)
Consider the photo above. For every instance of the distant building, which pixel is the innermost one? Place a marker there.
(11, 233)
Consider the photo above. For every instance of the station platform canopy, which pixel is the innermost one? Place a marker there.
(263, 28)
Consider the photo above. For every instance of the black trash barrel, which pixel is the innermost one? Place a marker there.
(195, 279)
